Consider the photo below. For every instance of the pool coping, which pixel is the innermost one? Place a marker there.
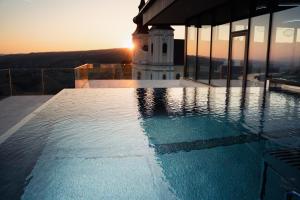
(26, 119)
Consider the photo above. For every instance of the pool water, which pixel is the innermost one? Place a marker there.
(175, 143)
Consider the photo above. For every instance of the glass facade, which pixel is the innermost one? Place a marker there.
(203, 58)
(285, 46)
(191, 52)
(220, 49)
(240, 25)
(238, 60)
(234, 54)
(258, 50)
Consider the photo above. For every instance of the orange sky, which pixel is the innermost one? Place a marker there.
(67, 25)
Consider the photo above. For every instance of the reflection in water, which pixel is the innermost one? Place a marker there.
(208, 147)
(252, 111)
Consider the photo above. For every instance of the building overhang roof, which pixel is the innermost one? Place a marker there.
(175, 12)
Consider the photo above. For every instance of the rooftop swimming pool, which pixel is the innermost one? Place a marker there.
(174, 143)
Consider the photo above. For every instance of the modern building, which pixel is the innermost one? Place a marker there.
(235, 43)
(154, 52)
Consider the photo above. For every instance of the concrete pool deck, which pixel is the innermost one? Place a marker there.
(13, 109)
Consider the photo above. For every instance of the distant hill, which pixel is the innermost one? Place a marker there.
(65, 59)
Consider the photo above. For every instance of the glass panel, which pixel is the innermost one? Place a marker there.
(240, 25)
(258, 50)
(285, 46)
(220, 55)
(238, 61)
(56, 80)
(26, 81)
(191, 52)
(4, 83)
(204, 39)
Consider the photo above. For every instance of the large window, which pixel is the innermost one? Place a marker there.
(204, 40)
(240, 25)
(285, 46)
(258, 50)
(220, 55)
(191, 52)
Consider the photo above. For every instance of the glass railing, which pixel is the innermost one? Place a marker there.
(44, 81)
(5, 89)
(128, 72)
(104, 72)
(49, 81)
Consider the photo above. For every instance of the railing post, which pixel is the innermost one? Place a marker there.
(43, 85)
(10, 82)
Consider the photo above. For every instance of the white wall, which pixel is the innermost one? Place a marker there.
(158, 37)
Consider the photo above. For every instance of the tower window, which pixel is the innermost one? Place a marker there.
(145, 48)
(177, 76)
(139, 76)
(164, 77)
(151, 48)
(165, 48)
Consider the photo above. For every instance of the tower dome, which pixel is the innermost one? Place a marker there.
(140, 38)
(138, 20)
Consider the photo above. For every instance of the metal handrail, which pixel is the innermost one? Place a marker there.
(282, 81)
(10, 80)
(290, 195)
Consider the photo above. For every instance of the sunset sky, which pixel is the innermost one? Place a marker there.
(67, 25)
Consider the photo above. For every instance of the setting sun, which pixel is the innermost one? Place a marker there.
(128, 44)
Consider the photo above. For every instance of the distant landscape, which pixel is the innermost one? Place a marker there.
(65, 59)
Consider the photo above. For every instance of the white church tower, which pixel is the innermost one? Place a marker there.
(161, 46)
(153, 53)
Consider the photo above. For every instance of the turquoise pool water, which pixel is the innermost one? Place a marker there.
(176, 143)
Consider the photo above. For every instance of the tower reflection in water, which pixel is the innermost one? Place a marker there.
(211, 142)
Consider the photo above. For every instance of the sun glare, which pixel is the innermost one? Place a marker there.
(128, 44)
